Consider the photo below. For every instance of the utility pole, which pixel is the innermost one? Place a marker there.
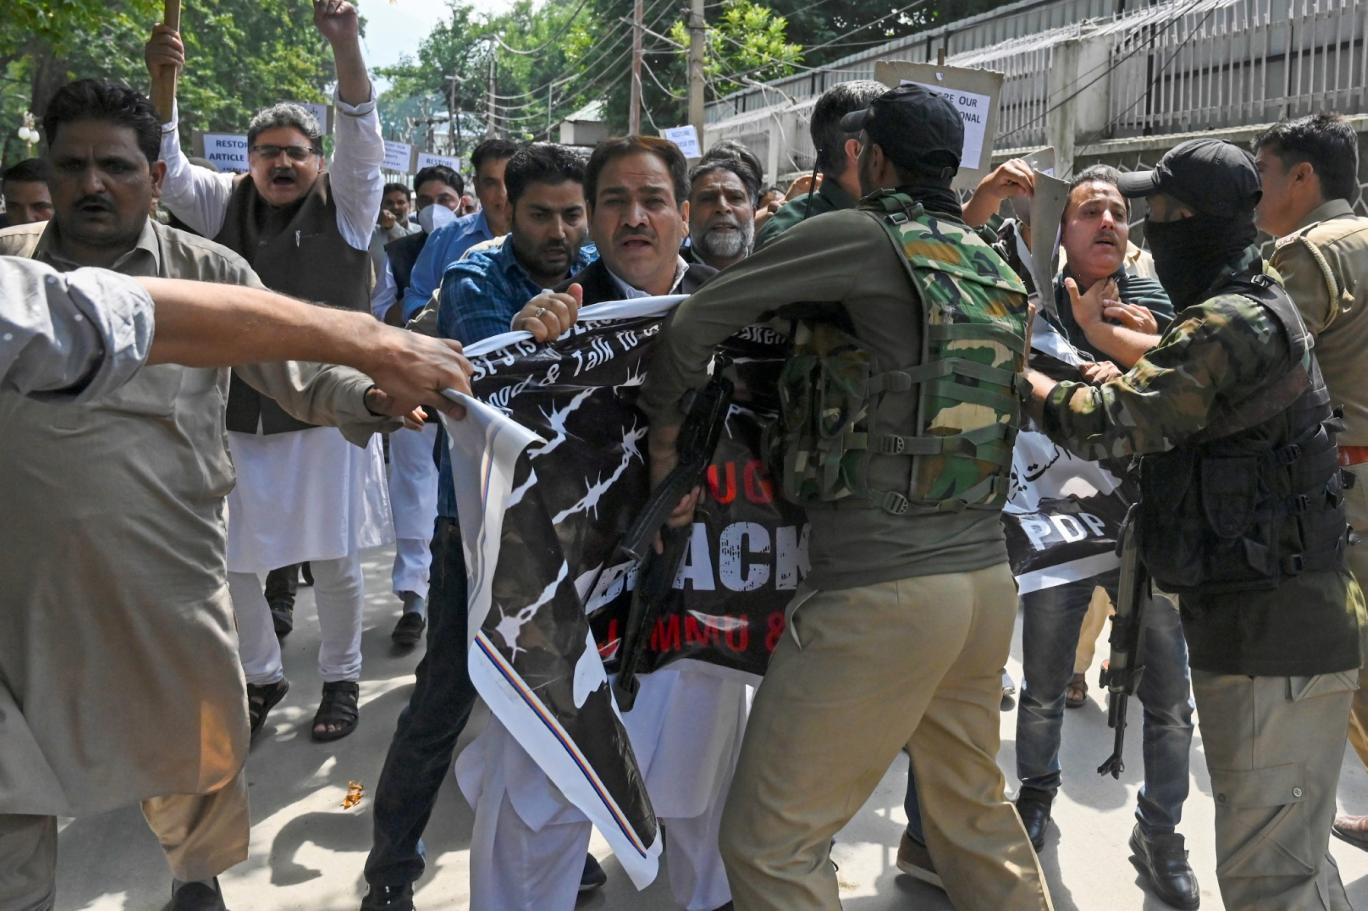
(453, 135)
(698, 37)
(634, 105)
(493, 107)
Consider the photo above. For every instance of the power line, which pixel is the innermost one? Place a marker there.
(549, 41)
(608, 87)
(663, 7)
(581, 88)
(896, 12)
(608, 46)
(650, 72)
(592, 86)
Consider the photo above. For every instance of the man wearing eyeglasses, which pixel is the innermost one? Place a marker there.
(303, 493)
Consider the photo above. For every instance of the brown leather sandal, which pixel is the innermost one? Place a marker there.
(1076, 692)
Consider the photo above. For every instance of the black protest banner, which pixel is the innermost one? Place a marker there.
(551, 470)
(579, 395)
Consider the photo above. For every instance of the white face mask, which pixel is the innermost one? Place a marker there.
(435, 216)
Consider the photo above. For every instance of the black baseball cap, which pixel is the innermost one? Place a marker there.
(1213, 176)
(910, 123)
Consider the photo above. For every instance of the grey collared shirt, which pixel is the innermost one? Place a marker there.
(73, 335)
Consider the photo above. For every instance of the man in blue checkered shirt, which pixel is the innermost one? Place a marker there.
(480, 295)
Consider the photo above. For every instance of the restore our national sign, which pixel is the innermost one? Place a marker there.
(550, 469)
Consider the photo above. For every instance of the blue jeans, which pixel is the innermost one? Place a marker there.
(419, 758)
(1051, 621)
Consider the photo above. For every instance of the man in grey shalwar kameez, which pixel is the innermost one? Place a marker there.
(119, 676)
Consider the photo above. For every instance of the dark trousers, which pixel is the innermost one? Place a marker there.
(281, 585)
(420, 754)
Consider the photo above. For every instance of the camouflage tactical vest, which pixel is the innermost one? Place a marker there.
(832, 389)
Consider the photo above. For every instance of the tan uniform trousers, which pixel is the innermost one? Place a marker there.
(1274, 746)
(861, 674)
(1356, 511)
(202, 835)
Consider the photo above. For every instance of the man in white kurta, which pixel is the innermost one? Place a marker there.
(303, 493)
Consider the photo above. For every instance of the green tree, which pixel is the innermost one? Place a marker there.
(241, 56)
(748, 42)
(548, 60)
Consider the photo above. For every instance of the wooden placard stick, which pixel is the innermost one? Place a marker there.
(164, 85)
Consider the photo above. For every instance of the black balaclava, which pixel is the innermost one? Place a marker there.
(1191, 253)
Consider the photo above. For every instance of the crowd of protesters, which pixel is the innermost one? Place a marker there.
(169, 508)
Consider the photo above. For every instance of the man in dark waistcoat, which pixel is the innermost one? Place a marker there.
(303, 493)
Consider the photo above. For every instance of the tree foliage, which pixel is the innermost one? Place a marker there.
(748, 42)
(241, 56)
(553, 57)
(542, 59)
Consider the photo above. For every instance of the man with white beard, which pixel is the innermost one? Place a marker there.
(722, 194)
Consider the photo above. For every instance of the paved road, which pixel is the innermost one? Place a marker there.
(307, 852)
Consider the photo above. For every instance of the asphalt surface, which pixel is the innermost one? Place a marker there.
(307, 851)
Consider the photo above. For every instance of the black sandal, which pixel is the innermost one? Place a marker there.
(338, 708)
(261, 698)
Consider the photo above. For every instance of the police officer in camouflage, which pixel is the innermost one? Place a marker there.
(1242, 517)
(898, 416)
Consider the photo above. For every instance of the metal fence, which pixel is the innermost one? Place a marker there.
(1171, 67)
(1220, 64)
(1022, 18)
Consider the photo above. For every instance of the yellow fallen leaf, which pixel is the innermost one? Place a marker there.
(355, 791)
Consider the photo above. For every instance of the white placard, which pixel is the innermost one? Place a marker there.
(427, 160)
(320, 112)
(398, 156)
(686, 137)
(227, 151)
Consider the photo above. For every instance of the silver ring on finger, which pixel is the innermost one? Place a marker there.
(541, 311)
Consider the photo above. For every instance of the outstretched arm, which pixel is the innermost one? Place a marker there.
(211, 325)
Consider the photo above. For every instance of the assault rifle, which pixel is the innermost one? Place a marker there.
(1122, 675)
(698, 436)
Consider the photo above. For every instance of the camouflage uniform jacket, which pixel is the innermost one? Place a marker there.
(1215, 353)
(829, 197)
(839, 266)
